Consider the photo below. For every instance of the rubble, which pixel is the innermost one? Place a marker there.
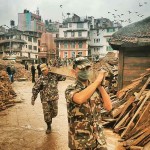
(7, 94)
(6, 91)
(130, 116)
(21, 72)
(110, 64)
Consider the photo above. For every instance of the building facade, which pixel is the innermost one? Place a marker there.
(99, 35)
(28, 21)
(11, 44)
(73, 37)
(47, 47)
(30, 49)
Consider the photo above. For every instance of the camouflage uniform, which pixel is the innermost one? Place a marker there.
(47, 86)
(85, 130)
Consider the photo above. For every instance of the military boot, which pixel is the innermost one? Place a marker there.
(48, 127)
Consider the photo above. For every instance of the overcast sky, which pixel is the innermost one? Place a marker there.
(51, 9)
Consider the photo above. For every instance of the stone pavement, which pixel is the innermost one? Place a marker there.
(22, 126)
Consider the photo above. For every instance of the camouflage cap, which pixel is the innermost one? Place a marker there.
(43, 67)
(81, 62)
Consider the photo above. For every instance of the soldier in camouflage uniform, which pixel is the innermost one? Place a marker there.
(47, 86)
(84, 102)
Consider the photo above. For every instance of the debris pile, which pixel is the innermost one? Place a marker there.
(110, 64)
(131, 113)
(6, 92)
(20, 71)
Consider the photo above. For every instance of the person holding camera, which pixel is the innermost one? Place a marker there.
(84, 102)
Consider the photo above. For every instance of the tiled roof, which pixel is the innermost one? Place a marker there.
(136, 34)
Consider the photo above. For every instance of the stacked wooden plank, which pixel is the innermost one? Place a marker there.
(132, 114)
(6, 91)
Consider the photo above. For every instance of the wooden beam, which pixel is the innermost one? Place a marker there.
(130, 123)
(128, 103)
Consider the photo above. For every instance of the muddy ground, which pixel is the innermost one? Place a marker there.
(22, 126)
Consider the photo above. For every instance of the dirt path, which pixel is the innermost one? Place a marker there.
(22, 127)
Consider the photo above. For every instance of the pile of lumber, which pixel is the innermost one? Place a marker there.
(131, 113)
(21, 72)
(7, 93)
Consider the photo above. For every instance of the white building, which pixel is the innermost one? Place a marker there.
(30, 49)
(99, 37)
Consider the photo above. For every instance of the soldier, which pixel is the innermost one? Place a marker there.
(84, 102)
(47, 86)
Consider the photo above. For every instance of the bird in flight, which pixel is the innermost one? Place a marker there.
(129, 12)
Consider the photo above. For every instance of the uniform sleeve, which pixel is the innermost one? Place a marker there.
(61, 78)
(36, 89)
(70, 91)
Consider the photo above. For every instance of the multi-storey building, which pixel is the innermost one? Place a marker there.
(15, 43)
(11, 43)
(52, 27)
(30, 49)
(100, 34)
(73, 37)
(28, 21)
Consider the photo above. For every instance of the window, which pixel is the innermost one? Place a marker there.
(30, 39)
(109, 48)
(30, 47)
(72, 34)
(80, 53)
(97, 32)
(65, 34)
(70, 24)
(80, 44)
(110, 30)
(65, 54)
(72, 45)
(34, 40)
(79, 33)
(65, 45)
(73, 54)
(80, 25)
(34, 47)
